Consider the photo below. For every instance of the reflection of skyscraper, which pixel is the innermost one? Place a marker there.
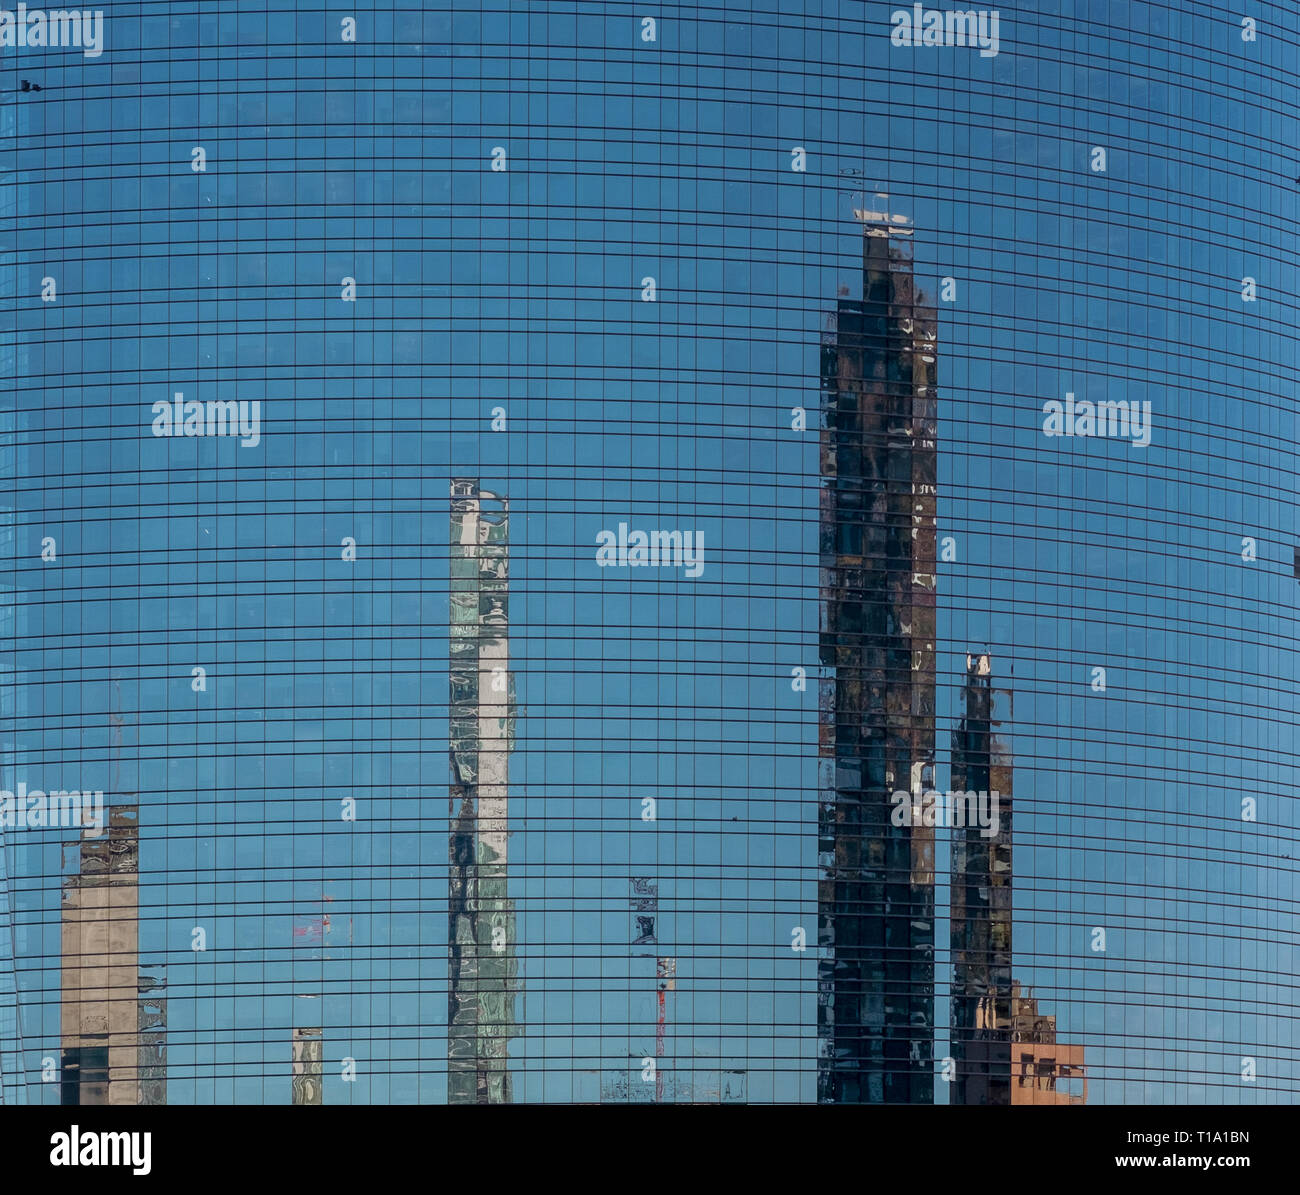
(876, 892)
(480, 1017)
(100, 1006)
(981, 899)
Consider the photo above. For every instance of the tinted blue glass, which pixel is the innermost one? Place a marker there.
(512, 512)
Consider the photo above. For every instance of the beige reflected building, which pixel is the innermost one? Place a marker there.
(308, 1061)
(100, 1013)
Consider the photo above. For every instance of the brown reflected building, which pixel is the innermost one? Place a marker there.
(877, 698)
(481, 931)
(980, 925)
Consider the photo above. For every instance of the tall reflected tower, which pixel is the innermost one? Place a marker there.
(481, 931)
(877, 698)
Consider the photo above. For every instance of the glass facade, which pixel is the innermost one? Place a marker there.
(540, 541)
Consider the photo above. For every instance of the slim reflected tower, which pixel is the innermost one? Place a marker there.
(877, 709)
(482, 980)
(981, 897)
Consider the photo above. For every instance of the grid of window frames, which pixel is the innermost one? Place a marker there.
(519, 516)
